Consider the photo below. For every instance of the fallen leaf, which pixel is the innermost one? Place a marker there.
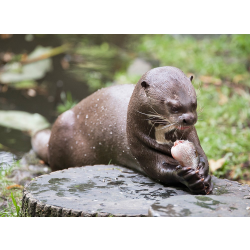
(15, 186)
(5, 36)
(210, 79)
(16, 72)
(215, 165)
(23, 121)
(238, 78)
(223, 99)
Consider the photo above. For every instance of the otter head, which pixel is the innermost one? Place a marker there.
(170, 97)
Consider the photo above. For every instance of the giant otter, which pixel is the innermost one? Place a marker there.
(132, 126)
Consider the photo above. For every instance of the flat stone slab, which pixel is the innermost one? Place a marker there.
(108, 190)
(100, 190)
(229, 198)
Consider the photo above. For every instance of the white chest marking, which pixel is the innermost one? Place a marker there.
(160, 132)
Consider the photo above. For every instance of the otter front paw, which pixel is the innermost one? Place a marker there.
(194, 179)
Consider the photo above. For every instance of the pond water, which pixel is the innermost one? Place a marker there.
(43, 102)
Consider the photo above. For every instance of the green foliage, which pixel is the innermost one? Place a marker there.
(8, 212)
(217, 57)
(224, 130)
(67, 104)
(23, 121)
(242, 42)
(13, 197)
(18, 72)
(15, 204)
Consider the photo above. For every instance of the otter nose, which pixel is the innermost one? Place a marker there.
(187, 119)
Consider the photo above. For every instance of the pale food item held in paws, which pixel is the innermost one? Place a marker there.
(185, 153)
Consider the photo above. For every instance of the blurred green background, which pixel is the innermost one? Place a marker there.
(48, 74)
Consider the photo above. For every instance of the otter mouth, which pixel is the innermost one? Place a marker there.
(180, 127)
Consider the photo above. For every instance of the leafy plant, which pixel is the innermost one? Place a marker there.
(15, 195)
(15, 204)
(67, 104)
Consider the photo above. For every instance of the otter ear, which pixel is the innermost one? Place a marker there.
(191, 78)
(144, 84)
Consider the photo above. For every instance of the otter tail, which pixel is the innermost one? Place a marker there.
(39, 142)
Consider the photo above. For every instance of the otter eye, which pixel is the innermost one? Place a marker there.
(174, 109)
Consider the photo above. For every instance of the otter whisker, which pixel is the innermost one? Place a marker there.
(169, 125)
(154, 110)
(153, 119)
(157, 121)
(151, 129)
(150, 115)
(200, 110)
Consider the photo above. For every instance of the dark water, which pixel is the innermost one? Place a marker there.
(44, 102)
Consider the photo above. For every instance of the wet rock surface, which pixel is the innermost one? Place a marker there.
(108, 190)
(30, 167)
(6, 160)
(100, 190)
(229, 198)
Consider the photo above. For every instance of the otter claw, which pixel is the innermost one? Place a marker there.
(197, 171)
(202, 179)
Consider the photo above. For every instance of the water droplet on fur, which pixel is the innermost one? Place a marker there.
(87, 116)
(111, 133)
(77, 116)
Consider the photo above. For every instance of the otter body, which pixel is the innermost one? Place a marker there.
(133, 126)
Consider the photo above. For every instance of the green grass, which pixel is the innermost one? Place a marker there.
(224, 57)
(224, 129)
(13, 196)
(67, 103)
